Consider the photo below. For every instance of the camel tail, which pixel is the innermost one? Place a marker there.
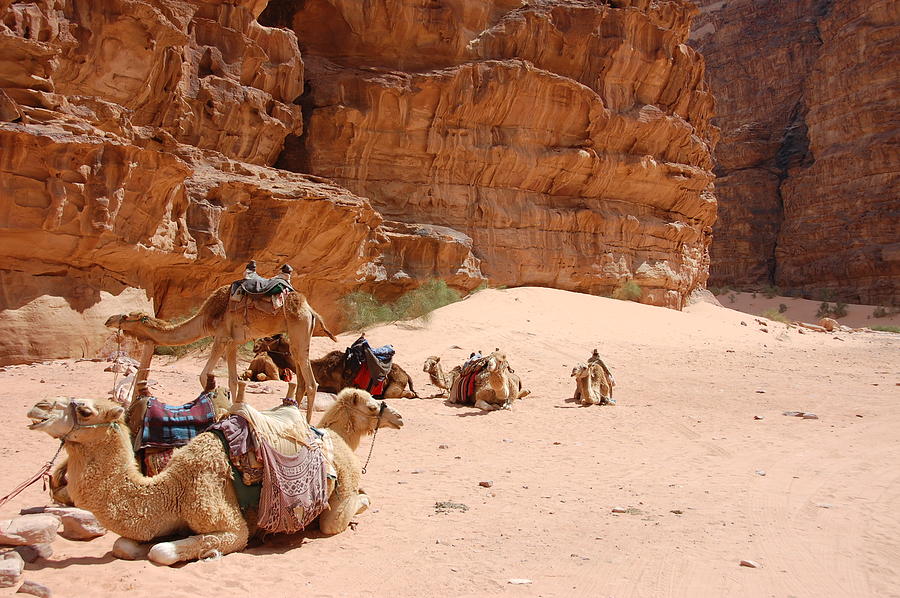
(321, 321)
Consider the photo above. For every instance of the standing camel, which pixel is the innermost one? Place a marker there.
(230, 329)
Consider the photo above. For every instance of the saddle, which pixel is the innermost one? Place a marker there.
(157, 428)
(264, 294)
(462, 391)
(280, 464)
(369, 367)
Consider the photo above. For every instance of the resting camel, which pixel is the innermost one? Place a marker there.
(497, 385)
(195, 491)
(231, 328)
(330, 373)
(609, 381)
(592, 385)
(436, 373)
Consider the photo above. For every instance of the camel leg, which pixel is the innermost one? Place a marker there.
(341, 510)
(199, 547)
(300, 337)
(215, 354)
(130, 550)
(231, 350)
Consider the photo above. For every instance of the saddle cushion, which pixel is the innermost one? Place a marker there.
(261, 286)
(167, 426)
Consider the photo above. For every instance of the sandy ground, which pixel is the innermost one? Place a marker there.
(804, 310)
(823, 521)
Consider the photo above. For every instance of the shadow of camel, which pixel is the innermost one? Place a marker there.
(70, 561)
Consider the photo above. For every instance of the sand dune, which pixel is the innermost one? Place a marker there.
(824, 520)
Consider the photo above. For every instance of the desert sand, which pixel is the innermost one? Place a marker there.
(703, 484)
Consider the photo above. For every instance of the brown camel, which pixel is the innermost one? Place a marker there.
(330, 371)
(231, 328)
(195, 492)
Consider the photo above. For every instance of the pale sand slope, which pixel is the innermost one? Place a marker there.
(823, 521)
(804, 310)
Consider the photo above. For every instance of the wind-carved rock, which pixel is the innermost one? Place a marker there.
(137, 139)
(570, 141)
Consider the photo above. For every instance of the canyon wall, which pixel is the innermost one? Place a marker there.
(807, 166)
(149, 148)
(136, 139)
(569, 139)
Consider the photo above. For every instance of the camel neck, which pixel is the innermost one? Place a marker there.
(163, 333)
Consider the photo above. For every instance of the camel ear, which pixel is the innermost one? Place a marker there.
(117, 412)
(437, 359)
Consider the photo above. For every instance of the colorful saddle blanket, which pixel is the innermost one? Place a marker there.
(290, 491)
(463, 389)
(167, 426)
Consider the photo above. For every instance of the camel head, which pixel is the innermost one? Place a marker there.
(128, 322)
(73, 419)
(497, 362)
(276, 343)
(431, 365)
(357, 412)
(580, 371)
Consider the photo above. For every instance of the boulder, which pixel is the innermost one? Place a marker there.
(28, 530)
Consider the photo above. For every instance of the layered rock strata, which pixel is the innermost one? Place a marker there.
(569, 139)
(134, 143)
(808, 163)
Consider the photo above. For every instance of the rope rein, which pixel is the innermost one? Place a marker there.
(44, 471)
(374, 434)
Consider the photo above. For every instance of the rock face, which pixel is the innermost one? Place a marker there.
(159, 144)
(135, 139)
(807, 167)
(570, 140)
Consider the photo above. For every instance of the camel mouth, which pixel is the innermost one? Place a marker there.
(37, 421)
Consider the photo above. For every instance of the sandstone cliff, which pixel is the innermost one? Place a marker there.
(159, 144)
(569, 139)
(134, 144)
(808, 163)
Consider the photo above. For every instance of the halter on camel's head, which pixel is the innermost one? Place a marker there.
(60, 418)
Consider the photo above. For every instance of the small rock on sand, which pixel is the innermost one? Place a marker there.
(486, 484)
(751, 564)
(11, 567)
(760, 472)
(619, 510)
(28, 529)
(758, 417)
(78, 524)
(35, 589)
(519, 581)
(443, 446)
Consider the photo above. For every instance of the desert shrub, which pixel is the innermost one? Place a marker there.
(420, 302)
(839, 310)
(732, 297)
(628, 290)
(826, 310)
(782, 308)
(364, 309)
(886, 328)
(719, 290)
(776, 316)
(771, 291)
